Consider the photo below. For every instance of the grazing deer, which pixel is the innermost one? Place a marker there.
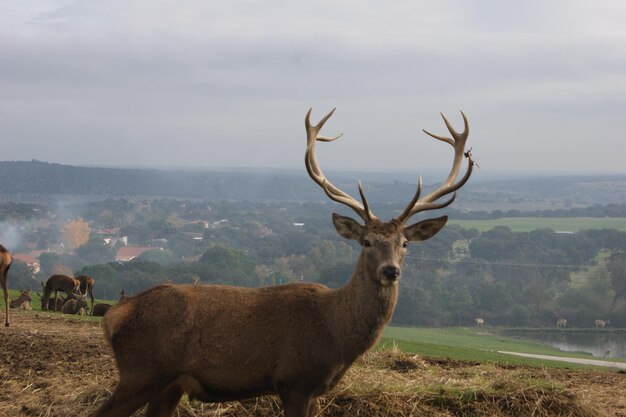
(23, 301)
(76, 305)
(295, 340)
(86, 286)
(5, 263)
(479, 322)
(561, 323)
(601, 324)
(56, 283)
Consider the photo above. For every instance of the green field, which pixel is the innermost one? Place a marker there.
(526, 224)
(470, 344)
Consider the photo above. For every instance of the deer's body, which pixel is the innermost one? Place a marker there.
(246, 356)
(601, 324)
(23, 301)
(76, 305)
(86, 287)
(479, 322)
(221, 343)
(58, 283)
(5, 263)
(561, 323)
(100, 309)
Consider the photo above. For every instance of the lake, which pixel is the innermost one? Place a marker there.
(596, 342)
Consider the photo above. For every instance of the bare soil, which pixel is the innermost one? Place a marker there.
(56, 365)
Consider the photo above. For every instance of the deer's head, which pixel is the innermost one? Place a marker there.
(385, 243)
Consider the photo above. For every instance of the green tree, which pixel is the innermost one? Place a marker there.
(21, 277)
(617, 269)
(227, 266)
(96, 252)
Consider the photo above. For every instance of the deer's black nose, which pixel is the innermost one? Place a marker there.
(391, 272)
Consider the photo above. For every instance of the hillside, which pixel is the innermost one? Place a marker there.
(37, 181)
(59, 366)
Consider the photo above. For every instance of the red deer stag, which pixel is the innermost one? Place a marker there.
(86, 287)
(294, 340)
(58, 283)
(23, 301)
(5, 264)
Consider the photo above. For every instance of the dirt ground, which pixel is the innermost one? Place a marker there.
(55, 365)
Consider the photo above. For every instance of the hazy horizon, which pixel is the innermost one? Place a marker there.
(201, 85)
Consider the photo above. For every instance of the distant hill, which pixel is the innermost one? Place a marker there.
(39, 181)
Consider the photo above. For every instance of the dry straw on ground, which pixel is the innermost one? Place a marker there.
(53, 366)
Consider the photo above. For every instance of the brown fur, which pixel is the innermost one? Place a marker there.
(77, 305)
(5, 263)
(100, 309)
(86, 287)
(221, 343)
(23, 301)
(58, 283)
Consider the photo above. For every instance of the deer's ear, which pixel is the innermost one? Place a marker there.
(425, 229)
(347, 227)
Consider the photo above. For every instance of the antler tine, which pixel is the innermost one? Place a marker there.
(315, 172)
(429, 202)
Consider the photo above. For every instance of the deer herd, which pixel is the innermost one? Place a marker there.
(295, 341)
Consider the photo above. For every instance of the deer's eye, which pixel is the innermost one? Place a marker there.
(367, 243)
(405, 243)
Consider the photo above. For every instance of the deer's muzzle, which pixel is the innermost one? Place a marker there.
(391, 272)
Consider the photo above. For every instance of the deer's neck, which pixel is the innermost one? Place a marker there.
(364, 307)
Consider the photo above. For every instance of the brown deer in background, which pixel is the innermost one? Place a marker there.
(601, 324)
(86, 287)
(58, 283)
(76, 305)
(23, 301)
(294, 340)
(5, 263)
(100, 309)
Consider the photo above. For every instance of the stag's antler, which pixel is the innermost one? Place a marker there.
(314, 170)
(429, 202)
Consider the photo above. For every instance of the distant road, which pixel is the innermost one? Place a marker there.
(594, 362)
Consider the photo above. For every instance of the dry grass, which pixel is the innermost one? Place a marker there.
(58, 366)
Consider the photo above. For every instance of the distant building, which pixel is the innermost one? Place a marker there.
(128, 253)
(29, 259)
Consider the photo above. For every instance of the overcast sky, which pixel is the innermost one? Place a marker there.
(228, 83)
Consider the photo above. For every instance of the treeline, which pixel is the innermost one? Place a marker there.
(521, 279)
(597, 211)
(507, 278)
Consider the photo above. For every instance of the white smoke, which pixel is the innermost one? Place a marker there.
(10, 234)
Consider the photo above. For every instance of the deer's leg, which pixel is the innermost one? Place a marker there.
(127, 398)
(164, 404)
(297, 404)
(6, 300)
(91, 296)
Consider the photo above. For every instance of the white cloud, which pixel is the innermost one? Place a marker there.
(196, 83)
